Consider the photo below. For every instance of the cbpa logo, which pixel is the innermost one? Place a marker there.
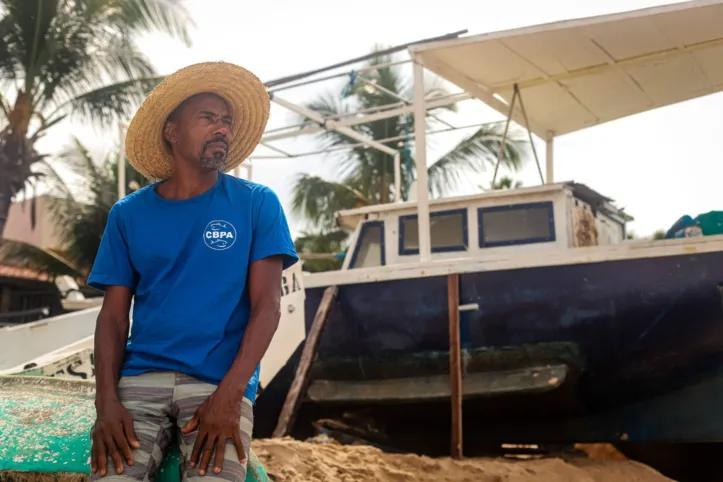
(219, 235)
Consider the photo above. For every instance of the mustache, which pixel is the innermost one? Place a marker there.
(220, 139)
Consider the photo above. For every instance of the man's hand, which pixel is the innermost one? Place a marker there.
(217, 420)
(113, 434)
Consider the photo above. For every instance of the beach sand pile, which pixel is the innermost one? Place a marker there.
(324, 460)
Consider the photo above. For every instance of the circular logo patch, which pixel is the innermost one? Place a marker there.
(219, 235)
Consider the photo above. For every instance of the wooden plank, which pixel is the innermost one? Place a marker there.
(455, 364)
(429, 388)
(301, 379)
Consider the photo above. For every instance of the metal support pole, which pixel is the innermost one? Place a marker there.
(334, 126)
(420, 136)
(549, 158)
(247, 166)
(122, 161)
(388, 113)
(397, 177)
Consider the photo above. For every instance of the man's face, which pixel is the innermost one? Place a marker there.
(200, 130)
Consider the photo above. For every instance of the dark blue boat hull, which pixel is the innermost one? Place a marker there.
(641, 329)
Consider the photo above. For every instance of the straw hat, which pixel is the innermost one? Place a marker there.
(245, 93)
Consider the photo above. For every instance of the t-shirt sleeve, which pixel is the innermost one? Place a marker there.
(112, 266)
(271, 236)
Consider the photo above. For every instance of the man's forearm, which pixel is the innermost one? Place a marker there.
(257, 338)
(110, 345)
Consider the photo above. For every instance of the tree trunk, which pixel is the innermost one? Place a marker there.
(4, 209)
(16, 155)
(15, 161)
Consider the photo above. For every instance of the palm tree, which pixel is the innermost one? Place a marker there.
(505, 182)
(328, 248)
(367, 175)
(71, 58)
(659, 234)
(80, 210)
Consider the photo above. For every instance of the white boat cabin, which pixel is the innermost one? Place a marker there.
(548, 217)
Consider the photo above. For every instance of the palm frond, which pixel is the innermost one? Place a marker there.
(109, 104)
(322, 242)
(474, 154)
(23, 255)
(81, 210)
(4, 106)
(143, 16)
(53, 181)
(505, 182)
(318, 200)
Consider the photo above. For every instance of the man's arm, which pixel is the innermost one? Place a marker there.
(113, 433)
(218, 418)
(265, 295)
(112, 273)
(111, 336)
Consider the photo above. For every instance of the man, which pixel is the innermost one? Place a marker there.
(201, 254)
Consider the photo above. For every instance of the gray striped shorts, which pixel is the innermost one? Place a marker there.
(161, 402)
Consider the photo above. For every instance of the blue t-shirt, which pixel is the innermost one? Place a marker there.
(187, 262)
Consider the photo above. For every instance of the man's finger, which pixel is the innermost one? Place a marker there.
(240, 450)
(102, 457)
(206, 454)
(220, 451)
(114, 454)
(121, 442)
(94, 456)
(130, 432)
(197, 445)
(191, 425)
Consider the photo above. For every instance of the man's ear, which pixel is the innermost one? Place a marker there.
(169, 132)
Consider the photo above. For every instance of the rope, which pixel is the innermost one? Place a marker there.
(517, 95)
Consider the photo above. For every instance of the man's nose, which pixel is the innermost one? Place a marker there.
(222, 130)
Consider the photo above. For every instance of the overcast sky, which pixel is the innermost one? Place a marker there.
(659, 165)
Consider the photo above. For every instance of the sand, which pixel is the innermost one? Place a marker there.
(288, 460)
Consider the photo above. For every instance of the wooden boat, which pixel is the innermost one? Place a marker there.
(45, 424)
(568, 331)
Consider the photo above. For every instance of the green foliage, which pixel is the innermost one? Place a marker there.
(505, 182)
(324, 243)
(80, 210)
(23, 255)
(64, 59)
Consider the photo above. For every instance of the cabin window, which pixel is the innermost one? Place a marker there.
(516, 224)
(369, 249)
(448, 232)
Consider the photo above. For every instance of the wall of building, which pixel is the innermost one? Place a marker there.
(19, 226)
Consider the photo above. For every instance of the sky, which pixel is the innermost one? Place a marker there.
(659, 165)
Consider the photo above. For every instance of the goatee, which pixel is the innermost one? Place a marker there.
(217, 161)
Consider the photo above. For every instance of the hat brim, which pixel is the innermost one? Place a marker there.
(243, 91)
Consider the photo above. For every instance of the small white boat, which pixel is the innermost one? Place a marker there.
(63, 346)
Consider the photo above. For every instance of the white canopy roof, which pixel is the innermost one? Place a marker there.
(579, 73)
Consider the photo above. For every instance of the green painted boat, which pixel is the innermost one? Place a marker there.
(45, 429)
